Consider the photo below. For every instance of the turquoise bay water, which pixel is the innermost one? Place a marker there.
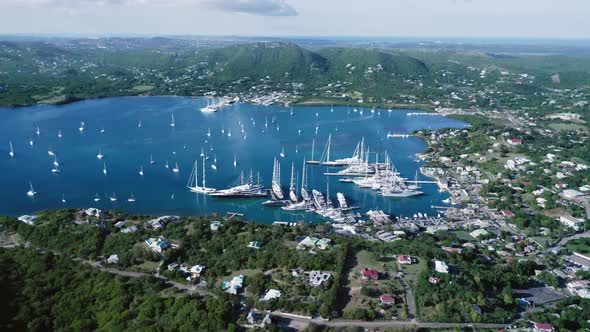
(127, 146)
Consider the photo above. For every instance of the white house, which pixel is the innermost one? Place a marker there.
(571, 222)
(441, 267)
(27, 219)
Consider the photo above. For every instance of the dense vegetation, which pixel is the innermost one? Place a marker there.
(45, 292)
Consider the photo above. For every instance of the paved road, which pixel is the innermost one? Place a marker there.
(565, 240)
(301, 320)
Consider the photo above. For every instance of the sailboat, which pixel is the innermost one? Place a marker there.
(176, 169)
(96, 198)
(282, 154)
(235, 161)
(31, 143)
(82, 126)
(214, 164)
(209, 108)
(194, 179)
(209, 132)
(141, 170)
(55, 162)
(166, 165)
(55, 170)
(172, 123)
(139, 124)
(304, 193)
(312, 161)
(266, 122)
(37, 131)
(332, 109)
(31, 192)
(100, 155)
(50, 152)
(104, 168)
(63, 198)
(11, 153)
(131, 198)
(228, 132)
(326, 156)
(317, 128)
(276, 180)
(102, 130)
(292, 186)
(113, 198)
(59, 135)
(152, 160)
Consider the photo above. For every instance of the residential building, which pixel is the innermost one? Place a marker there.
(405, 260)
(570, 221)
(271, 294)
(387, 299)
(369, 274)
(441, 267)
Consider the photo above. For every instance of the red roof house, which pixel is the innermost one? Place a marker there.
(387, 299)
(543, 327)
(404, 259)
(514, 141)
(369, 274)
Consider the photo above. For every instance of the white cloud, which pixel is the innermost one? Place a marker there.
(254, 7)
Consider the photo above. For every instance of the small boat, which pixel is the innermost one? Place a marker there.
(166, 165)
(63, 198)
(141, 170)
(113, 198)
(202, 153)
(55, 170)
(214, 167)
(282, 154)
(176, 169)
(235, 161)
(11, 153)
(139, 124)
(102, 130)
(332, 109)
(172, 123)
(96, 198)
(152, 160)
(50, 152)
(100, 155)
(82, 127)
(209, 132)
(37, 131)
(104, 168)
(131, 198)
(31, 142)
(228, 132)
(55, 162)
(31, 192)
(59, 135)
(299, 132)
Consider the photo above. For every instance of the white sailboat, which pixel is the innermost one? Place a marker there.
(326, 156)
(96, 198)
(82, 126)
(194, 179)
(312, 161)
(152, 159)
(166, 165)
(141, 170)
(113, 197)
(100, 155)
(59, 135)
(55, 162)
(176, 169)
(139, 124)
(209, 132)
(104, 168)
(209, 108)
(102, 130)
(235, 161)
(292, 186)
(228, 132)
(11, 153)
(304, 193)
(31, 192)
(37, 131)
(131, 198)
(276, 180)
(31, 143)
(282, 154)
(172, 123)
(50, 152)
(63, 198)
(55, 170)
(332, 109)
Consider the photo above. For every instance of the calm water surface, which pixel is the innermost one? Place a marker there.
(127, 147)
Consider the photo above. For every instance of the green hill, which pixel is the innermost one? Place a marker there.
(277, 60)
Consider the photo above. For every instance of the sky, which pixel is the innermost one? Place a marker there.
(383, 18)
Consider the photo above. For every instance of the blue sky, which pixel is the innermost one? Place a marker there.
(406, 18)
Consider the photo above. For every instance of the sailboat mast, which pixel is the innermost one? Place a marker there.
(312, 148)
(328, 150)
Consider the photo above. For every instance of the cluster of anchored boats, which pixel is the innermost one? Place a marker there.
(381, 176)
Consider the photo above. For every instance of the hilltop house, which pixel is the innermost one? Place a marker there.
(405, 260)
(271, 294)
(387, 299)
(257, 320)
(314, 242)
(571, 222)
(27, 219)
(255, 244)
(234, 285)
(158, 245)
(316, 278)
(441, 267)
(542, 327)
